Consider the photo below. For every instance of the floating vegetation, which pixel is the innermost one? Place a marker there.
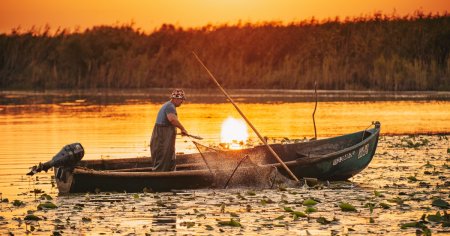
(288, 209)
(323, 220)
(440, 203)
(385, 205)
(387, 202)
(45, 197)
(378, 194)
(232, 214)
(310, 210)
(266, 201)
(428, 165)
(187, 224)
(347, 207)
(407, 143)
(47, 205)
(18, 203)
(32, 218)
(309, 202)
(36, 191)
(298, 214)
(231, 222)
(412, 178)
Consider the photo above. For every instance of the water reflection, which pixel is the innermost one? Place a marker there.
(164, 215)
(32, 133)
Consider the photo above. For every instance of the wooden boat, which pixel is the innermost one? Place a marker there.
(336, 158)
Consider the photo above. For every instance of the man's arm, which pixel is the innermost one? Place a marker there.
(173, 119)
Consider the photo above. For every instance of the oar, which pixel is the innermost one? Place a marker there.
(245, 118)
(192, 136)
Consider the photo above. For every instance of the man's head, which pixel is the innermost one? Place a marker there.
(177, 97)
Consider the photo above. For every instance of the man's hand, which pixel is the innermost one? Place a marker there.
(184, 132)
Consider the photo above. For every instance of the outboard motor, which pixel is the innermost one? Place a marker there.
(68, 156)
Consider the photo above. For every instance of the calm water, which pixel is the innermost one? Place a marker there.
(34, 132)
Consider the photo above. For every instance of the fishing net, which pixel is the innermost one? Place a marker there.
(241, 168)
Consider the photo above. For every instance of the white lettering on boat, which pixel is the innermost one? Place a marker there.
(343, 158)
(363, 151)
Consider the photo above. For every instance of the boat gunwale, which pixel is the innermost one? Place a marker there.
(318, 158)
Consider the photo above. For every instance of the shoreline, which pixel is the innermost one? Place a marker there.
(212, 96)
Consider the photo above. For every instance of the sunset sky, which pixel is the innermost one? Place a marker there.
(150, 14)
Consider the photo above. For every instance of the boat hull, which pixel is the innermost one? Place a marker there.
(337, 158)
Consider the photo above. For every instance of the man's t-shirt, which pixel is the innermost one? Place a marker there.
(167, 108)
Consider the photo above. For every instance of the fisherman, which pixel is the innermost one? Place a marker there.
(162, 143)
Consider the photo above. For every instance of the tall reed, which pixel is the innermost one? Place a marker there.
(377, 52)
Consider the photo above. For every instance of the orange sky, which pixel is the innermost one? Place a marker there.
(150, 14)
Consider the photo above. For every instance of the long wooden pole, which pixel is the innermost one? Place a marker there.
(314, 112)
(245, 118)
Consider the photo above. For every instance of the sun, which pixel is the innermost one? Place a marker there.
(234, 133)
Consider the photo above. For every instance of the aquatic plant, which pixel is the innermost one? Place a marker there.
(32, 218)
(346, 207)
(440, 203)
(231, 222)
(18, 203)
(309, 202)
(47, 205)
(322, 220)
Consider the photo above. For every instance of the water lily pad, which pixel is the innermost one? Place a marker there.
(412, 178)
(310, 210)
(378, 194)
(298, 214)
(428, 165)
(309, 202)
(288, 209)
(347, 207)
(323, 220)
(18, 203)
(234, 214)
(188, 224)
(47, 205)
(232, 223)
(412, 225)
(385, 205)
(32, 218)
(396, 200)
(440, 203)
(45, 197)
(435, 218)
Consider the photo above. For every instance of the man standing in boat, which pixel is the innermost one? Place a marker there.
(162, 143)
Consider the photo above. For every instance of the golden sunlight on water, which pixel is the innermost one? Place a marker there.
(234, 133)
(34, 133)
